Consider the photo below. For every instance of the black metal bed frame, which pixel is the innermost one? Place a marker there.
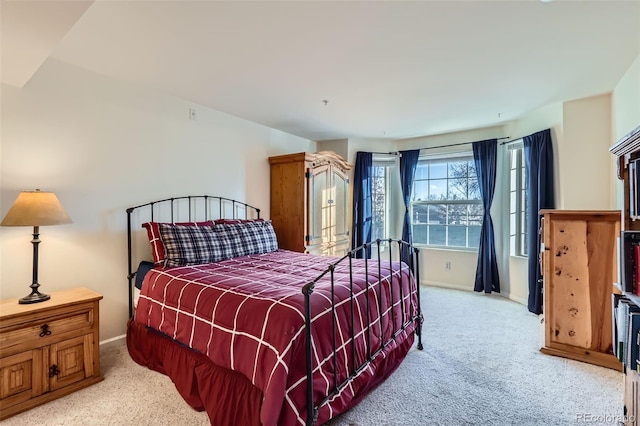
(415, 317)
(193, 214)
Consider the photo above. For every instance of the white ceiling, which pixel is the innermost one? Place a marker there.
(388, 69)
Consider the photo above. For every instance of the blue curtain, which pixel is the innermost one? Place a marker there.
(484, 158)
(408, 164)
(538, 157)
(362, 208)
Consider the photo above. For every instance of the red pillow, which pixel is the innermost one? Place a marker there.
(157, 246)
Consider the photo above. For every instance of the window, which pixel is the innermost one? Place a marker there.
(446, 209)
(518, 217)
(379, 196)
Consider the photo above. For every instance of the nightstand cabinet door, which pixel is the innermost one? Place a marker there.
(21, 377)
(71, 361)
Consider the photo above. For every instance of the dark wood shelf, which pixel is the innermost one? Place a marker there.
(627, 151)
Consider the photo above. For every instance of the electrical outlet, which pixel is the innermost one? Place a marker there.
(447, 265)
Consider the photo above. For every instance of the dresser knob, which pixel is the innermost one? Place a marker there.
(45, 330)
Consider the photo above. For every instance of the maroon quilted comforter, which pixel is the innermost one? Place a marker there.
(247, 314)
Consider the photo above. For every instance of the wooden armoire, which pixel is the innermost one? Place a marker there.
(309, 202)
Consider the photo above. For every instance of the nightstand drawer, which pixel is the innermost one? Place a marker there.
(42, 331)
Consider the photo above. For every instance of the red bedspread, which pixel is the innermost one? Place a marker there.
(247, 314)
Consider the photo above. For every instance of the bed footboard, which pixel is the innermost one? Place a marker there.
(411, 316)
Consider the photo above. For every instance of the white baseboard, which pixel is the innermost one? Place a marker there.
(520, 300)
(445, 285)
(114, 341)
(516, 299)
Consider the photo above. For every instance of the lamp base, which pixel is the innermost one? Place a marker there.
(34, 297)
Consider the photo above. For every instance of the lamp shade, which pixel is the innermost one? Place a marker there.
(36, 208)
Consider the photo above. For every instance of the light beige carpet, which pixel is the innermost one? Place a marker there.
(480, 366)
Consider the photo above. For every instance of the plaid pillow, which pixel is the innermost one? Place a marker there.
(254, 237)
(157, 246)
(192, 245)
(217, 221)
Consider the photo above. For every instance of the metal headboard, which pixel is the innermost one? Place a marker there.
(189, 208)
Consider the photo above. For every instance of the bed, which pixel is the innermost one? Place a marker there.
(257, 335)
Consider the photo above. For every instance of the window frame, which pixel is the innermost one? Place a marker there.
(517, 199)
(388, 163)
(466, 156)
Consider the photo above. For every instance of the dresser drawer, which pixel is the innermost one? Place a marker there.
(42, 331)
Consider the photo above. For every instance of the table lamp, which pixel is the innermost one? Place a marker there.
(35, 208)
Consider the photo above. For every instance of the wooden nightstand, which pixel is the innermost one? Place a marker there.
(48, 349)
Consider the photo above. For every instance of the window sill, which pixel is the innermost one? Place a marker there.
(446, 248)
(518, 256)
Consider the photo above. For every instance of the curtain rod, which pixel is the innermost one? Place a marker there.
(511, 141)
(460, 143)
(445, 146)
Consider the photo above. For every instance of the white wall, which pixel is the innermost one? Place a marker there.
(583, 156)
(626, 116)
(339, 146)
(103, 145)
(626, 101)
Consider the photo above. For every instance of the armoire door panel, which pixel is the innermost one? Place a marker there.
(319, 196)
(340, 211)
